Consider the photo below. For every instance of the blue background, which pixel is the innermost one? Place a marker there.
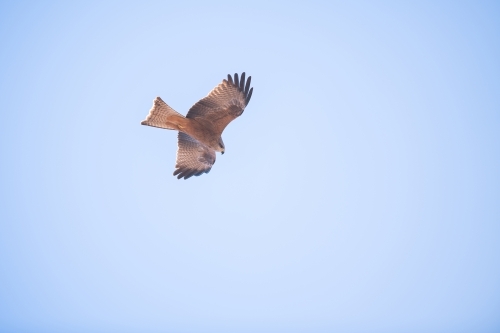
(359, 192)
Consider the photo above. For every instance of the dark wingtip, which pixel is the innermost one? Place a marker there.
(182, 174)
(247, 87)
(243, 86)
(249, 96)
(236, 80)
(242, 82)
(188, 173)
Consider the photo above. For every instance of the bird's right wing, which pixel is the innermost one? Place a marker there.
(193, 157)
(224, 103)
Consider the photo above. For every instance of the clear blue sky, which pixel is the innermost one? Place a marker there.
(359, 191)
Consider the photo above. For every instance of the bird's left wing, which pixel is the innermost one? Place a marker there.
(193, 157)
(224, 103)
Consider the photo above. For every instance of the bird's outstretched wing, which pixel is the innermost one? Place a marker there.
(223, 104)
(193, 157)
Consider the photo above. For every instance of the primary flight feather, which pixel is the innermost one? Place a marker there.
(201, 129)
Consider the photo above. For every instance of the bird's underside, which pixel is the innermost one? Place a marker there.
(201, 129)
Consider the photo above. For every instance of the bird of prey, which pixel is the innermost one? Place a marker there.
(200, 130)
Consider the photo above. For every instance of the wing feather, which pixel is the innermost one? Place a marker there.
(242, 81)
(193, 157)
(236, 80)
(248, 86)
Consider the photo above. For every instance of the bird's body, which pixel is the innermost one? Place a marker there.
(200, 131)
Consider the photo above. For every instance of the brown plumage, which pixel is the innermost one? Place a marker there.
(200, 131)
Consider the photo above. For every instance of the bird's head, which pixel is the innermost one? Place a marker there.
(218, 145)
(221, 147)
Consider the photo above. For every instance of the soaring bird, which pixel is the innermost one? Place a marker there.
(201, 129)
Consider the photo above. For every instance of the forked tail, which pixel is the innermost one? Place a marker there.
(163, 116)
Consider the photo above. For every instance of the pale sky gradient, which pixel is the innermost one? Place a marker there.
(359, 191)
